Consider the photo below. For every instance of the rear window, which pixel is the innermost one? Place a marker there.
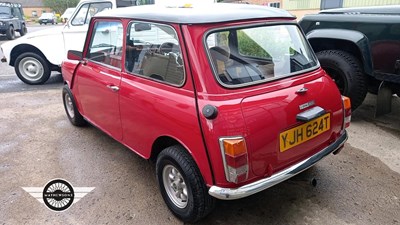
(243, 56)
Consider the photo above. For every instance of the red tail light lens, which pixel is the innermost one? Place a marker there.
(347, 111)
(235, 157)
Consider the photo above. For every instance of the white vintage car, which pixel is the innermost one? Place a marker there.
(35, 55)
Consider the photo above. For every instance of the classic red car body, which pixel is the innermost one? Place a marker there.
(147, 115)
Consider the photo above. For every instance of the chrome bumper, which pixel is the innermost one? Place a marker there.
(252, 188)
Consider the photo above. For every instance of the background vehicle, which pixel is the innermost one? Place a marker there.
(46, 18)
(67, 14)
(12, 20)
(35, 56)
(360, 49)
(227, 104)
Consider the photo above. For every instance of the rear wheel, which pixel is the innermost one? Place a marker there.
(23, 30)
(346, 71)
(182, 186)
(73, 114)
(32, 68)
(10, 33)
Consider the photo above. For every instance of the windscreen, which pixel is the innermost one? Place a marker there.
(5, 10)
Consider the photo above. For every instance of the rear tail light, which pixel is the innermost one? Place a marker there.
(347, 111)
(235, 158)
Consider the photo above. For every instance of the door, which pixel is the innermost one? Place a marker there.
(98, 78)
(74, 32)
(153, 100)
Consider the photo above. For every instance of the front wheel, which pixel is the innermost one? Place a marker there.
(10, 33)
(73, 114)
(32, 68)
(182, 186)
(346, 71)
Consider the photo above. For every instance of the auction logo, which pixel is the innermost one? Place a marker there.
(58, 194)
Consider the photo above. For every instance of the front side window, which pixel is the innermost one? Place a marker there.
(256, 54)
(106, 43)
(153, 51)
(87, 11)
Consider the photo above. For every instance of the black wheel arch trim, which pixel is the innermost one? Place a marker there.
(355, 37)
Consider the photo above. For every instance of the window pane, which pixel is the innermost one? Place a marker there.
(153, 51)
(106, 44)
(249, 55)
(87, 11)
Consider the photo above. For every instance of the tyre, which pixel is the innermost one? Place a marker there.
(10, 33)
(396, 90)
(32, 68)
(346, 71)
(182, 186)
(23, 30)
(70, 108)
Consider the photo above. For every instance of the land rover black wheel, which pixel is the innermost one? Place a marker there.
(346, 71)
(23, 30)
(70, 108)
(182, 186)
(10, 33)
(32, 68)
(397, 90)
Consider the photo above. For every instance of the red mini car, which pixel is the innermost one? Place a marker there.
(227, 99)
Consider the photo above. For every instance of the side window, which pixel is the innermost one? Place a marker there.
(17, 13)
(86, 12)
(106, 43)
(126, 3)
(153, 51)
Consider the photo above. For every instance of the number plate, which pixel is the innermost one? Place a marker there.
(295, 136)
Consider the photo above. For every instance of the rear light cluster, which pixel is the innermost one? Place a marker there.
(347, 111)
(235, 158)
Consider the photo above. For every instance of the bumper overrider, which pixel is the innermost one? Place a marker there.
(260, 185)
(3, 57)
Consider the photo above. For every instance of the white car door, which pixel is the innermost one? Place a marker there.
(74, 32)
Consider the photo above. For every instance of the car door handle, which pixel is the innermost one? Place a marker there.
(113, 87)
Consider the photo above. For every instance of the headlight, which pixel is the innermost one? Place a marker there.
(1, 23)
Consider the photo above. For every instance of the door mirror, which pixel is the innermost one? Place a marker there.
(74, 55)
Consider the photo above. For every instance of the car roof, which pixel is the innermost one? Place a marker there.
(387, 9)
(197, 14)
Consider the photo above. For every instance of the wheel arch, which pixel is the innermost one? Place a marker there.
(163, 142)
(24, 48)
(353, 42)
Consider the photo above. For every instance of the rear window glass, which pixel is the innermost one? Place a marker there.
(242, 56)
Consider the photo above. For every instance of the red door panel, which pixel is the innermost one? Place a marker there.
(96, 90)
